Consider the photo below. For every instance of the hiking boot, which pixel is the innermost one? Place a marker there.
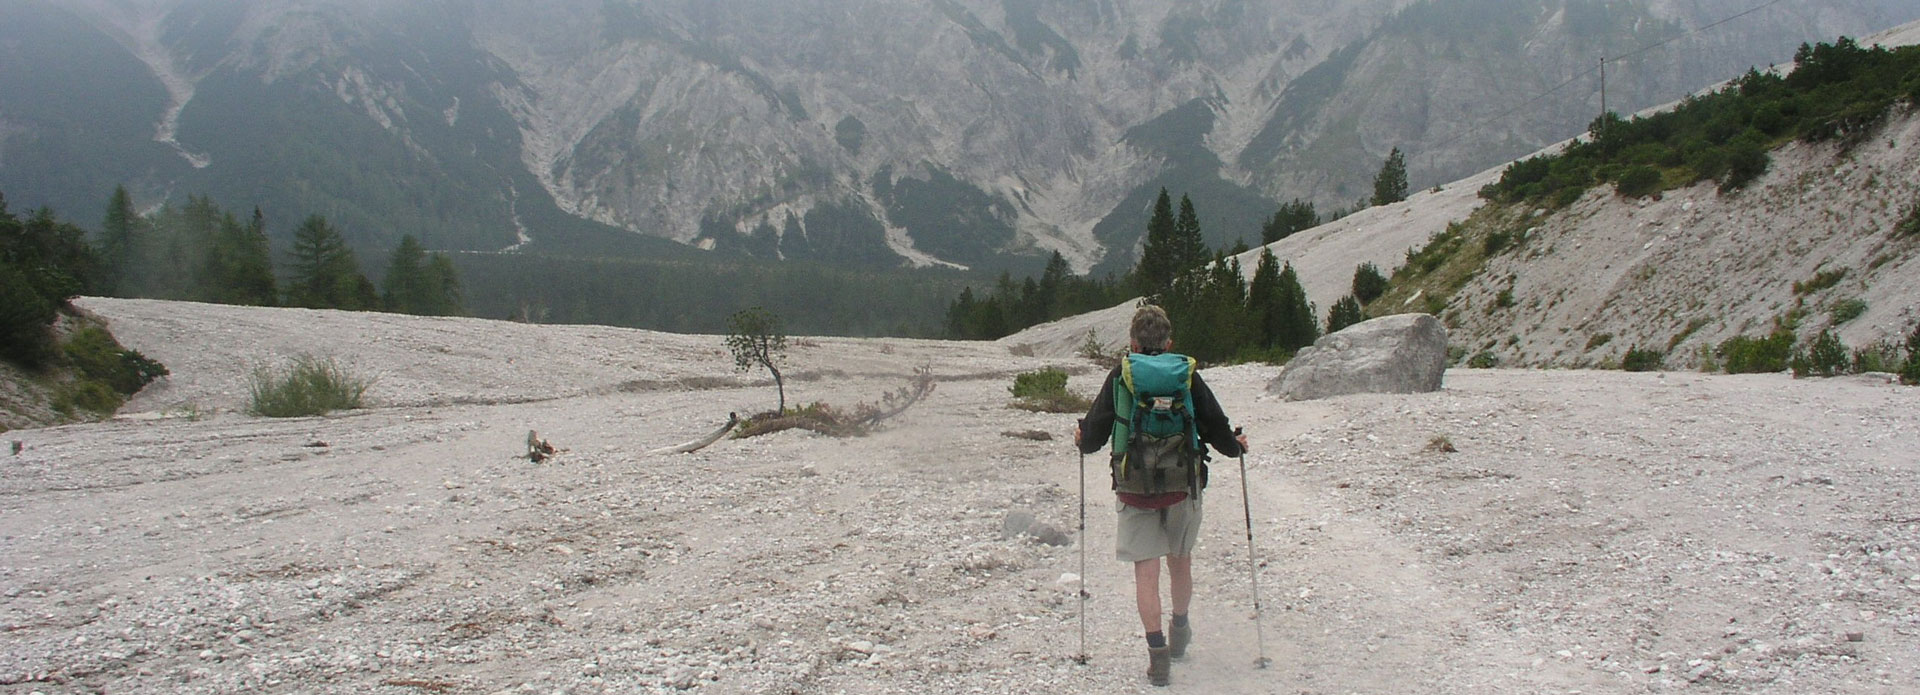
(1159, 666)
(1178, 637)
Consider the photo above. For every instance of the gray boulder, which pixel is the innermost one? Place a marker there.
(1405, 353)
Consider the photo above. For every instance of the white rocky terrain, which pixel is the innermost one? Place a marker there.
(1592, 532)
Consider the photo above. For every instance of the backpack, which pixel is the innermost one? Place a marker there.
(1156, 447)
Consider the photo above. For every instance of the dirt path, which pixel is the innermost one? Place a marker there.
(1593, 532)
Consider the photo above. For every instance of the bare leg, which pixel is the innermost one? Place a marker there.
(1146, 592)
(1180, 575)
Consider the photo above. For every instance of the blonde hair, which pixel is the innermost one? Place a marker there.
(1151, 329)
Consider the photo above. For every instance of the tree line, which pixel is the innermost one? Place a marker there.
(1836, 92)
(199, 252)
(195, 252)
(1218, 313)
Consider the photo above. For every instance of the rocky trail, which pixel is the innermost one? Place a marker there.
(1592, 532)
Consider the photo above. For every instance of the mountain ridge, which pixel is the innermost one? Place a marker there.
(704, 123)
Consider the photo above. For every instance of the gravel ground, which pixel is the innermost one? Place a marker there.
(1592, 532)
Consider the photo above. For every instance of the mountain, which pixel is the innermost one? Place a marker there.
(1826, 240)
(865, 133)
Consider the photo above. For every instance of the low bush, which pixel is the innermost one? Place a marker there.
(1848, 309)
(1910, 225)
(309, 386)
(97, 356)
(1643, 360)
(1826, 356)
(1368, 282)
(88, 395)
(1748, 355)
(1639, 181)
(1879, 356)
(1484, 359)
(1820, 281)
(1046, 391)
(1910, 374)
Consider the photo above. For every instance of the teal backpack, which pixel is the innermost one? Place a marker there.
(1156, 447)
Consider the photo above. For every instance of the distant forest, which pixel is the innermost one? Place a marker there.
(199, 251)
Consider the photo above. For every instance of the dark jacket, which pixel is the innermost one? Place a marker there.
(1209, 419)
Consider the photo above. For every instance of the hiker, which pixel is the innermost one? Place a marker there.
(1157, 412)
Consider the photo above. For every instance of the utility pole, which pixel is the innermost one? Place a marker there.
(1603, 86)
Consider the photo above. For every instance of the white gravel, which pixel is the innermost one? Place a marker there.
(1595, 532)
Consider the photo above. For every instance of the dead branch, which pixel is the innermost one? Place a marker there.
(733, 420)
(896, 402)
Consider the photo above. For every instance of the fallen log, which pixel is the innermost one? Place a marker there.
(733, 420)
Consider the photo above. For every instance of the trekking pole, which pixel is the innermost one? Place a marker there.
(1082, 590)
(1253, 565)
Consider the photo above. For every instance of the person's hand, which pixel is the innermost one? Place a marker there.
(1076, 434)
(1242, 439)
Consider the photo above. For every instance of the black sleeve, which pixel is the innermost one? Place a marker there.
(1097, 427)
(1211, 420)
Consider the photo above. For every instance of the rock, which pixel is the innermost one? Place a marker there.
(1404, 353)
(1046, 533)
(1015, 523)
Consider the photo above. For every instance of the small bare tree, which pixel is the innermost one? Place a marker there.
(755, 338)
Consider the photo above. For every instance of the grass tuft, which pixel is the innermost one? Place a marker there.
(309, 386)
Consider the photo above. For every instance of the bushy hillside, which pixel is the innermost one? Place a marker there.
(1825, 238)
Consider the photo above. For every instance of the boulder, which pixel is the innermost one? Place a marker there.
(1404, 353)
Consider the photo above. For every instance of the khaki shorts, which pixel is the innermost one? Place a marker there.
(1145, 534)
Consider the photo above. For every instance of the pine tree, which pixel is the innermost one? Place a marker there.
(1390, 186)
(1292, 217)
(1344, 313)
(118, 236)
(1368, 283)
(443, 280)
(1297, 326)
(406, 279)
(239, 266)
(1155, 272)
(325, 274)
(1263, 301)
(1189, 247)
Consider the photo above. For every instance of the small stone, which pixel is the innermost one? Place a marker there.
(1856, 637)
(862, 646)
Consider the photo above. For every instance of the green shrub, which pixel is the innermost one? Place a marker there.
(26, 318)
(1910, 225)
(1826, 356)
(1643, 360)
(1848, 309)
(1484, 359)
(1639, 181)
(88, 395)
(309, 386)
(1497, 241)
(1046, 391)
(1368, 283)
(1910, 374)
(97, 356)
(1598, 340)
(1746, 160)
(1879, 356)
(1748, 355)
(1504, 300)
(1344, 313)
(1820, 281)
